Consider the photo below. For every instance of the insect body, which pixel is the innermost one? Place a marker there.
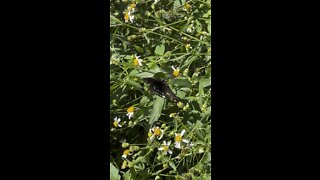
(161, 88)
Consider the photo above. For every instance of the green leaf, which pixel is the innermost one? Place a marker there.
(133, 72)
(114, 172)
(156, 111)
(181, 94)
(171, 164)
(134, 84)
(198, 26)
(205, 82)
(127, 175)
(159, 49)
(182, 82)
(209, 27)
(144, 100)
(144, 75)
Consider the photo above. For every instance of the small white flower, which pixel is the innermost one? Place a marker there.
(137, 61)
(116, 122)
(131, 17)
(128, 16)
(125, 153)
(130, 111)
(190, 29)
(155, 132)
(178, 139)
(165, 148)
(176, 71)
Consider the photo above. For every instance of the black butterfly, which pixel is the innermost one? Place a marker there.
(161, 88)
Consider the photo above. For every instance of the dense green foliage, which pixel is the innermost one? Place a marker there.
(170, 39)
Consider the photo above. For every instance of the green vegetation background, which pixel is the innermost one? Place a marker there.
(165, 35)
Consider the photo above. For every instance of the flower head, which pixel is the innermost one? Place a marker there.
(155, 132)
(131, 7)
(116, 122)
(178, 139)
(165, 148)
(130, 111)
(125, 153)
(176, 71)
(128, 15)
(188, 47)
(137, 61)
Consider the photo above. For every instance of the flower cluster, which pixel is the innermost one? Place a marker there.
(129, 13)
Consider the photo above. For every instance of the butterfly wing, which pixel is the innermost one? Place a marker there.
(170, 94)
(161, 88)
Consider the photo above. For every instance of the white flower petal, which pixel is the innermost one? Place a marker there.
(152, 137)
(160, 149)
(177, 145)
(185, 140)
(182, 132)
(169, 151)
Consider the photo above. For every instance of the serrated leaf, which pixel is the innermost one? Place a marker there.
(205, 82)
(156, 111)
(159, 49)
(181, 94)
(133, 72)
(114, 172)
(182, 82)
(134, 84)
(144, 100)
(171, 164)
(144, 75)
(127, 175)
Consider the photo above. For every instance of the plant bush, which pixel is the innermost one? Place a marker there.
(152, 137)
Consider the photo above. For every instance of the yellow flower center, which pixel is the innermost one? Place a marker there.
(126, 152)
(178, 138)
(126, 16)
(136, 62)
(165, 148)
(172, 114)
(130, 109)
(157, 131)
(188, 6)
(187, 46)
(176, 73)
(115, 123)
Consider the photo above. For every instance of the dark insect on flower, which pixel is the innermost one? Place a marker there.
(161, 88)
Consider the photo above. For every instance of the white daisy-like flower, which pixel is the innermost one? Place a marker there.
(128, 16)
(130, 111)
(155, 132)
(178, 139)
(116, 122)
(165, 148)
(125, 153)
(137, 61)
